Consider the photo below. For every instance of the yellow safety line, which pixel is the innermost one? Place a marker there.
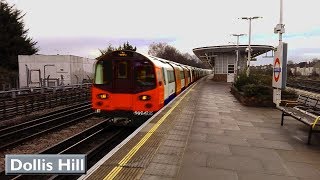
(133, 151)
(315, 122)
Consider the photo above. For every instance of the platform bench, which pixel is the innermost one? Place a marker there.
(306, 110)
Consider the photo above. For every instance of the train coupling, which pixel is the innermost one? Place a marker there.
(120, 120)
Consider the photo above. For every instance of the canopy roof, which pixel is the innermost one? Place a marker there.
(203, 52)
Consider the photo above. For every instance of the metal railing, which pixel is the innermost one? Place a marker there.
(25, 101)
(32, 90)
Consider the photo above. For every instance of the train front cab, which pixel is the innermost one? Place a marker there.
(127, 85)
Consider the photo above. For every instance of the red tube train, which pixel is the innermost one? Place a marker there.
(131, 84)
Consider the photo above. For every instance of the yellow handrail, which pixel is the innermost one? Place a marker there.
(315, 122)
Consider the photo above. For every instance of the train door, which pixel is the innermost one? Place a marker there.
(122, 80)
(122, 84)
(230, 76)
(165, 83)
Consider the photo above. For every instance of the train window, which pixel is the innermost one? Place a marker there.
(103, 72)
(99, 74)
(186, 74)
(164, 77)
(182, 74)
(144, 74)
(122, 70)
(170, 76)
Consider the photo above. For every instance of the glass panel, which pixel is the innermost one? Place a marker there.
(164, 77)
(122, 70)
(103, 72)
(230, 68)
(170, 76)
(181, 75)
(99, 74)
(144, 74)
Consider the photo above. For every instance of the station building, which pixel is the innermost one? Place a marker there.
(223, 58)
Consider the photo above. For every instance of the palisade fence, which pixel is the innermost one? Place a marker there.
(25, 101)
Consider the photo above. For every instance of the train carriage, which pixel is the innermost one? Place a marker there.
(128, 83)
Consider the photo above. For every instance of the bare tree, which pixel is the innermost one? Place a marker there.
(165, 51)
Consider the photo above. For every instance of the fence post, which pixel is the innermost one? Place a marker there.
(25, 106)
(49, 97)
(17, 106)
(32, 101)
(4, 109)
(13, 94)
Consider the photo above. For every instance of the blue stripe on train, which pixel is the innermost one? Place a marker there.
(169, 99)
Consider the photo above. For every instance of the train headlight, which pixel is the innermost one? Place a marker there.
(144, 97)
(102, 96)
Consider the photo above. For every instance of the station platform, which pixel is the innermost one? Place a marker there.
(205, 133)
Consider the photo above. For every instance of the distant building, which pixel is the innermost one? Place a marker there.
(304, 71)
(54, 70)
(223, 58)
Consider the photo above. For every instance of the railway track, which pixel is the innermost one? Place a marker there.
(14, 135)
(95, 142)
(303, 84)
(53, 114)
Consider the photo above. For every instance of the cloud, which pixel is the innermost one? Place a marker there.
(89, 46)
(67, 26)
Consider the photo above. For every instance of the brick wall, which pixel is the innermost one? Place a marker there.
(220, 77)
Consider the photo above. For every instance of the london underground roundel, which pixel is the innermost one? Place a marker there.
(276, 70)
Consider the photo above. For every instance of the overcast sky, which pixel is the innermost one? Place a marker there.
(81, 27)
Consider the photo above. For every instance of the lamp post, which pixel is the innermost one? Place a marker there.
(280, 27)
(237, 60)
(249, 45)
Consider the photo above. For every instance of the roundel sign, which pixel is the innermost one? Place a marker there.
(276, 70)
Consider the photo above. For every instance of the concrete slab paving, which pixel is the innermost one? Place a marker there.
(262, 176)
(203, 173)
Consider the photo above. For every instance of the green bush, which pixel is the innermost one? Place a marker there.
(258, 87)
(259, 90)
(259, 84)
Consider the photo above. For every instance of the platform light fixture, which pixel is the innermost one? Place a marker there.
(237, 60)
(249, 44)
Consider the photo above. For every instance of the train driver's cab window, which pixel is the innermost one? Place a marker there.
(103, 72)
(144, 74)
(122, 70)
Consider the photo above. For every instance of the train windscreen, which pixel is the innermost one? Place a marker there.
(125, 75)
(144, 74)
(103, 73)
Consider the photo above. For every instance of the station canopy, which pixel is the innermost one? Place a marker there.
(203, 53)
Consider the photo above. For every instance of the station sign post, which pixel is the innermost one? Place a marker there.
(279, 77)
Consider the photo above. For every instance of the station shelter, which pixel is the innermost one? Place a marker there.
(223, 58)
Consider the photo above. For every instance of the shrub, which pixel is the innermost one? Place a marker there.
(289, 94)
(259, 90)
(254, 78)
